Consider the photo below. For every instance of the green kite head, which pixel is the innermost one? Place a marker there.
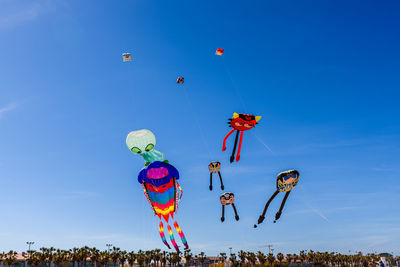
(141, 141)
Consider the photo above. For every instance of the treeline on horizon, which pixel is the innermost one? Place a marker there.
(86, 256)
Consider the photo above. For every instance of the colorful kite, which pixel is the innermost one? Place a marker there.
(127, 57)
(142, 142)
(239, 122)
(215, 167)
(285, 182)
(226, 200)
(159, 182)
(180, 80)
(219, 52)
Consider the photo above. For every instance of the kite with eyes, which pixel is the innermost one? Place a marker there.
(285, 182)
(142, 142)
(226, 200)
(239, 122)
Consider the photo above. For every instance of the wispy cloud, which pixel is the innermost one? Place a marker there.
(16, 12)
(80, 195)
(7, 108)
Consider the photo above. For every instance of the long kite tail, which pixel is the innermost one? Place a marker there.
(181, 234)
(161, 229)
(171, 236)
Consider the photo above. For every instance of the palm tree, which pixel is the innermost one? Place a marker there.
(10, 258)
(251, 257)
(164, 258)
(242, 257)
(122, 257)
(140, 257)
(222, 256)
(114, 255)
(157, 256)
(311, 256)
(302, 256)
(187, 255)
(94, 256)
(233, 259)
(131, 257)
(280, 257)
(202, 258)
(148, 256)
(261, 258)
(271, 258)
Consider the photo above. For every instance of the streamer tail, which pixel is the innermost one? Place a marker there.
(181, 234)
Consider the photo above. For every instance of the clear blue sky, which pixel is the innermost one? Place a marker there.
(323, 74)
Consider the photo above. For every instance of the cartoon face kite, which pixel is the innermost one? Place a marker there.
(285, 182)
(215, 167)
(159, 182)
(142, 142)
(226, 200)
(239, 123)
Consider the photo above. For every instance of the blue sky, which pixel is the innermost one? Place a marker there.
(323, 74)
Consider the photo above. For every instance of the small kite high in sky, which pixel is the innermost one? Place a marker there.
(180, 80)
(285, 182)
(219, 52)
(126, 57)
(239, 122)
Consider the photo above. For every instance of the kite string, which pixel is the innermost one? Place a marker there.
(244, 105)
(197, 122)
(235, 87)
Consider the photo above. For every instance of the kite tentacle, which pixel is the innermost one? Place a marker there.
(211, 181)
(226, 137)
(240, 146)
(181, 234)
(220, 179)
(236, 214)
(171, 236)
(278, 214)
(262, 216)
(234, 147)
(161, 230)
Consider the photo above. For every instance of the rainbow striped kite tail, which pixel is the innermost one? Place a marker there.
(171, 236)
(181, 234)
(161, 229)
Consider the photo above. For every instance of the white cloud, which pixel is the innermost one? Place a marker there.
(17, 12)
(7, 108)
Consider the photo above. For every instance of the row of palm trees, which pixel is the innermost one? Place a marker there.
(85, 256)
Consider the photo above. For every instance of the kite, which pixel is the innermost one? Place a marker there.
(239, 122)
(226, 200)
(285, 182)
(142, 142)
(160, 186)
(219, 52)
(127, 57)
(215, 167)
(180, 80)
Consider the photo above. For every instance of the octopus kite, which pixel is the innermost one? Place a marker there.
(239, 123)
(285, 182)
(159, 181)
(215, 167)
(160, 186)
(226, 200)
